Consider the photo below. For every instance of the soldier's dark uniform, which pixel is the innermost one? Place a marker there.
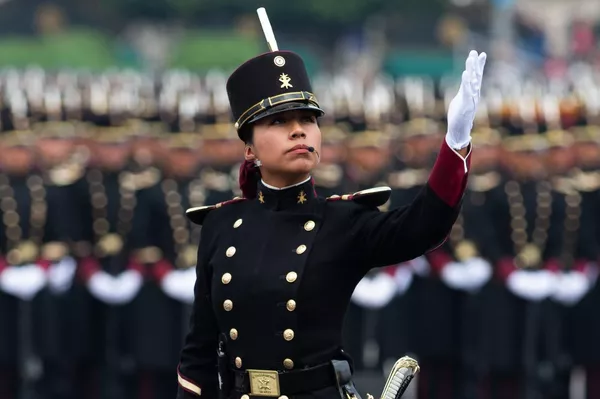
(168, 244)
(434, 308)
(55, 303)
(585, 322)
(511, 325)
(571, 256)
(16, 198)
(330, 177)
(472, 238)
(34, 234)
(275, 273)
(366, 166)
(107, 239)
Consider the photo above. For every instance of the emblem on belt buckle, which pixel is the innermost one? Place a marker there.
(264, 383)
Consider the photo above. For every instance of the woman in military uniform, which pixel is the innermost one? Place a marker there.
(276, 268)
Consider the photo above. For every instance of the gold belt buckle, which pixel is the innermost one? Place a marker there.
(264, 383)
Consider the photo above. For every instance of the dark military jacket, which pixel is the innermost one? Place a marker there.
(276, 273)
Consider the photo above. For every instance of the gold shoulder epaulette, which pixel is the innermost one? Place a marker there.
(197, 215)
(375, 197)
(484, 182)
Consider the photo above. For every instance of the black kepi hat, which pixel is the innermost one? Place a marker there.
(268, 84)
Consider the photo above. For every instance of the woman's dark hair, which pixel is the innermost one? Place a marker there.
(249, 172)
(247, 134)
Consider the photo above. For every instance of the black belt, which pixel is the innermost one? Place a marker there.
(276, 383)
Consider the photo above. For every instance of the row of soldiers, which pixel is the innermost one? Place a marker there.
(506, 307)
(97, 274)
(189, 99)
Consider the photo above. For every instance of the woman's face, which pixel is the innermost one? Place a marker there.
(280, 142)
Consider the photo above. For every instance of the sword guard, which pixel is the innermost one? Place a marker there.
(402, 374)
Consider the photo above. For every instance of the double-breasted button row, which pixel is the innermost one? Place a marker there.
(291, 277)
(228, 304)
(288, 334)
(226, 278)
(290, 305)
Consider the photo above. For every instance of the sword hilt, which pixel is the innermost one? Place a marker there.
(402, 374)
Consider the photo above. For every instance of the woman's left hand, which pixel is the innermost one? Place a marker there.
(461, 112)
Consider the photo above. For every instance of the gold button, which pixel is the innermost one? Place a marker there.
(291, 277)
(308, 226)
(288, 334)
(237, 223)
(245, 397)
(238, 362)
(230, 252)
(288, 364)
(300, 250)
(227, 305)
(290, 305)
(233, 333)
(226, 279)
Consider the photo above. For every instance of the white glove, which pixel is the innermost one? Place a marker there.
(461, 111)
(455, 275)
(60, 275)
(375, 292)
(179, 285)
(420, 266)
(129, 284)
(571, 287)
(103, 287)
(479, 272)
(403, 278)
(24, 282)
(115, 290)
(532, 285)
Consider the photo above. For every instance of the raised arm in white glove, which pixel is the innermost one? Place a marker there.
(461, 111)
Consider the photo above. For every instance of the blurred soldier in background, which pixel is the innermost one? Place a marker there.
(367, 162)
(585, 322)
(59, 170)
(512, 316)
(167, 255)
(109, 217)
(330, 176)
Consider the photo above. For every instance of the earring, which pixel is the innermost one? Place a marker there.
(257, 163)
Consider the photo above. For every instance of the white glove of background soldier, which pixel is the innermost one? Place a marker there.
(532, 285)
(115, 290)
(571, 287)
(461, 111)
(375, 292)
(61, 274)
(179, 285)
(23, 282)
